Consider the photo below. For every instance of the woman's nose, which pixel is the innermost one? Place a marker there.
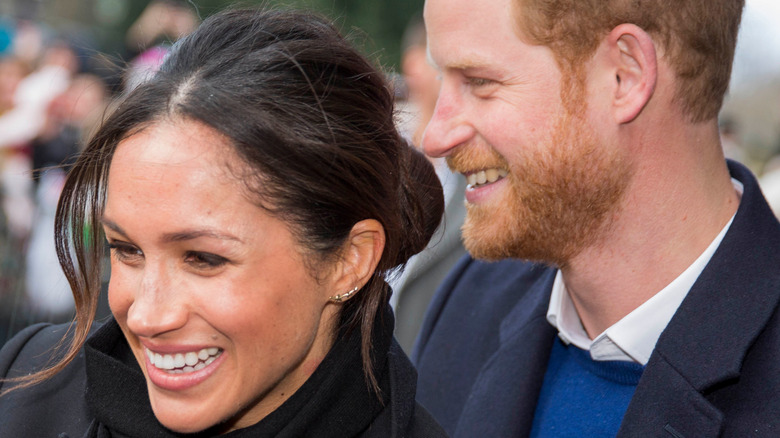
(158, 306)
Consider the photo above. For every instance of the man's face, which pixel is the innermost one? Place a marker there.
(542, 184)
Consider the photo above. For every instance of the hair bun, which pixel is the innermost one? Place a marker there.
(421, 201)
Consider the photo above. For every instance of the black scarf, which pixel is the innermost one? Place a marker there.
(334, 402)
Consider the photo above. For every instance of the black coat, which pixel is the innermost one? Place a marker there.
(715, 370)
(89, 398)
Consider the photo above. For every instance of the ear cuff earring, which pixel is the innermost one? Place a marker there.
(344, 296)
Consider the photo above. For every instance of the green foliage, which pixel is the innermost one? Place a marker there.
(375, 26)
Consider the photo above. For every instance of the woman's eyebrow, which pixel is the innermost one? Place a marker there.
(113, 226)
(178, 236)
(198, 233)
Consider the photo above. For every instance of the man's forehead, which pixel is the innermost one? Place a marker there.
(460, 13)
(467, 35)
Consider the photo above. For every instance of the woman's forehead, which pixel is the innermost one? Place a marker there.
(175, 143)
(181, 160)
(172, 178)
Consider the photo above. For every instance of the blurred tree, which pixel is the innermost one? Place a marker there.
(375, 26)
(383, 22)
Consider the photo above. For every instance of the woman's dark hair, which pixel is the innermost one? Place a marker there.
(311, 118)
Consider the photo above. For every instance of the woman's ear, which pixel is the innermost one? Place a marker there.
(633, 70)
(359, 258)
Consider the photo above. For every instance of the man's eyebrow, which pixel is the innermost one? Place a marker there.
(463, 65)
(178, 236)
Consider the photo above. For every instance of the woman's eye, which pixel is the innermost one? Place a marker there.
(204, 260)
(125, 252)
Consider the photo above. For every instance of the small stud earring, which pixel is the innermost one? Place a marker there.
(344, 296)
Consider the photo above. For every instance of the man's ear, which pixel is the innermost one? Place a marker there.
(632, 58)
(360, 256)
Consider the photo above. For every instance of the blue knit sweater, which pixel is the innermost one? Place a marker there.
(582, 397)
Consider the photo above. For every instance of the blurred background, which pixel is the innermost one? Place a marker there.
(61, 62)
(103, 24)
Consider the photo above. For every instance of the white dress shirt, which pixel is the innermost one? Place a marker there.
(633, 338)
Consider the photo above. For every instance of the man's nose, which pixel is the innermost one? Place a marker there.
(448, 126)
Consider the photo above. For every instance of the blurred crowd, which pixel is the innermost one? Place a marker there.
(54, 91)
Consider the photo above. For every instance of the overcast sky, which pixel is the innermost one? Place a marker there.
(758, 48)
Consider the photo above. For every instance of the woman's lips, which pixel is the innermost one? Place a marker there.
(180, 371)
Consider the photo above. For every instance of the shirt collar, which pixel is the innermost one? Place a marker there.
(633, 338)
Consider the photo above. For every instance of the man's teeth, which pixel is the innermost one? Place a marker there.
(183, 362)
(485, 176)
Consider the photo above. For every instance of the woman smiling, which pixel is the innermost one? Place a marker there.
(253, 193)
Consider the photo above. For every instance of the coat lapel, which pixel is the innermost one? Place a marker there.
(503, 398)
(705, 343)
(666, 405)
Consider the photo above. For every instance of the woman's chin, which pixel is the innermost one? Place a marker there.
(183, 424)
(179, 419)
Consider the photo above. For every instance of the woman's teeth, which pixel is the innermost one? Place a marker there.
(183, 362)
(485, 177)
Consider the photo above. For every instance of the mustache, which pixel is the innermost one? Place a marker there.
(470, 159)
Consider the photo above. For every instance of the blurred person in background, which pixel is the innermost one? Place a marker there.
(162, 21)
(148, 39)
(70, 118)
(730, 141)
(770, 183)
(50, 66)
(770, 179)
(47, 113)
(20, 125)
(420, 77)
(415, 286)
(12, 238)
(12, 71)
(50, 78)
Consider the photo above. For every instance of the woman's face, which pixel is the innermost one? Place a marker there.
(210, 291)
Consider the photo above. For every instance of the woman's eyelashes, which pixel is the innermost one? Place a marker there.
(204, 260)
(125, 252)
(131, 255)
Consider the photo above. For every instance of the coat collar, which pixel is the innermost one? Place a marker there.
(706, 341)
(503, 398)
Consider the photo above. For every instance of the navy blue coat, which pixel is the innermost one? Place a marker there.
(715, 371)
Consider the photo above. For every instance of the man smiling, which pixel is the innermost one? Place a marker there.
(646, 302)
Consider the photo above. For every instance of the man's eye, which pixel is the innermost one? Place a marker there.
(478, 82)
(204, 260)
